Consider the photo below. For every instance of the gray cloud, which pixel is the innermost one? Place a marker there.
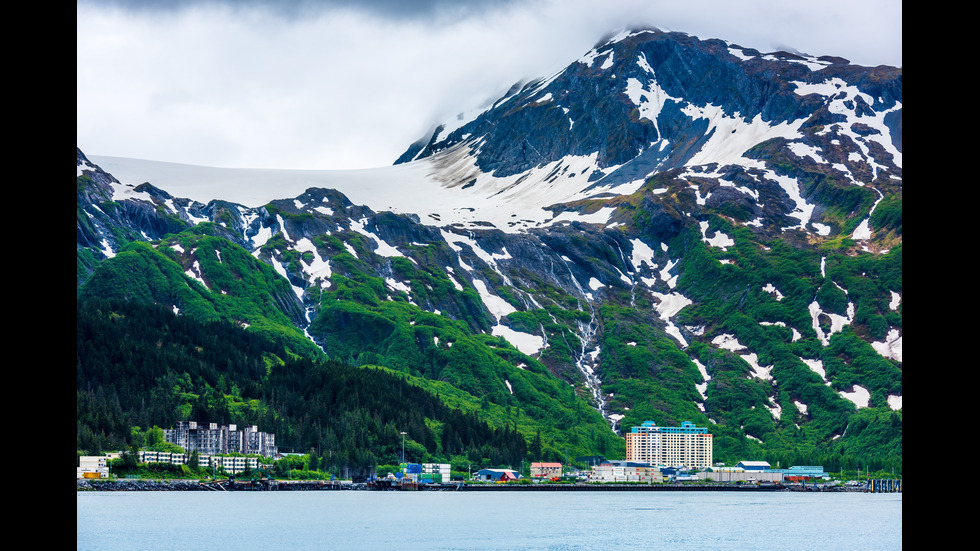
(344, 84)
(292, 9)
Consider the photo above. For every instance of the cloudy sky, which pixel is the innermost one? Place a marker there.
(339, 84)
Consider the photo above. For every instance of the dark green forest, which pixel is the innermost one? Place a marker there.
(143, 366)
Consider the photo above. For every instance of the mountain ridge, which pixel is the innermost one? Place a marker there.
(659, 271)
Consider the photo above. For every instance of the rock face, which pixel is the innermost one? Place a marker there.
(730, 253)
(650, 100)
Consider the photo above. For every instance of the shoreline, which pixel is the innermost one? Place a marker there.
(148, 485)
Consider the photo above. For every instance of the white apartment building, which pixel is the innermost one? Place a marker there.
(92, 466)
(686, 445)
(231, 464)
(643, 444)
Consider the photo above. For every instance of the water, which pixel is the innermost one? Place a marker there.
(240, 521)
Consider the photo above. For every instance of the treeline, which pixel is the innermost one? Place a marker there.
(139, 365)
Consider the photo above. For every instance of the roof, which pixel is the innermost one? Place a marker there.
(546, 465)
(624, 463)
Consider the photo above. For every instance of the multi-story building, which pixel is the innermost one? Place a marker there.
(545, 470)
(92, 466)
(686, 445)
(212, 439)
(235, 464)
(231, 464)
(257, 442)
(643, 444)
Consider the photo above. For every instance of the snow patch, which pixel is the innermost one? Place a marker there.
(771, 289)
(728, 342)
(319, 267)
(837, 321)
(891, 347)
(383, 248)
(895, 402)
(816, 366)
(858, 395)
(642, 254)
(703, 387)
(719, 240)
(398, 285)
(194, 272)
(525, 342)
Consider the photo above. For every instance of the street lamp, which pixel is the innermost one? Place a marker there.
(403, 446)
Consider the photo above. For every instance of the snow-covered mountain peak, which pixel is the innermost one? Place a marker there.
(631, 108)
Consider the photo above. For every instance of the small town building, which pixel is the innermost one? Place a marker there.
(496, 475)
(754, 465)
(92, 466)
(625, 471)
(803, 473)
(738, 474)
(231, 464)
(545, 470)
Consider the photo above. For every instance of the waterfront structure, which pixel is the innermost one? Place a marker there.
(233, 464)
(761, 471)
(738, 474)
(545, 470)
(411, 472)
(211, 438)
(686, 445)
(625, 471)
(800, 473)
(496, 475)
(434, 473)
(92, 466)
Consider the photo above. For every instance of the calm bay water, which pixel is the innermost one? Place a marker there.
(218, 521)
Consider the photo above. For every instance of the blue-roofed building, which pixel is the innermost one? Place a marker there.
(803, 472)
(496, 475)
(754, 465)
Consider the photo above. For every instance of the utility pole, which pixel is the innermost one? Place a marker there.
(403, 446)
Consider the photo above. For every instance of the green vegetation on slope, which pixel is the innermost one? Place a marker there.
(139, 365)
(810, 417)
(237, 287)
(357, 325)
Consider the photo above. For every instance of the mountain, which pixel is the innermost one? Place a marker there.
(669, 229)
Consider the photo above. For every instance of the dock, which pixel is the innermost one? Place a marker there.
(884, 486)
(603, 487)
